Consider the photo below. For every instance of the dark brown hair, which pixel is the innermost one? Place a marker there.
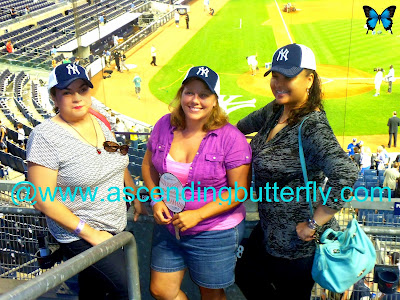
(53, 96)
(217, 118)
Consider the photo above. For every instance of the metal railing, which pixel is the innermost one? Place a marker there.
(145, 32)
(385, 236)
(52, 278)
(20, 226)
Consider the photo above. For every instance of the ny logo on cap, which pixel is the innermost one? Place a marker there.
(73, 69)
(283, 53)
(204, 72)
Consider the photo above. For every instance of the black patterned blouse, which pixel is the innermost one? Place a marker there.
(277, 163)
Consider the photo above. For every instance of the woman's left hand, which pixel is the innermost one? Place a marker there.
(186, 219)
(304, 232)
(140, 209)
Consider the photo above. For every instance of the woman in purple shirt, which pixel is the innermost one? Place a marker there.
(198, 145)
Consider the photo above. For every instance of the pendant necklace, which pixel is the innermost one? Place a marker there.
(97, 148)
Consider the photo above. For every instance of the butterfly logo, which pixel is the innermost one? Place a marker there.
(385, 17)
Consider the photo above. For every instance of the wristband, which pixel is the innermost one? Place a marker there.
(152, 202)
(312, 224)
(79, 228)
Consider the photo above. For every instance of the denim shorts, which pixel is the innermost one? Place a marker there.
(210, 256)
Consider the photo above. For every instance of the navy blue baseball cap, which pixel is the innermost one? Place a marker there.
(63, 75)
(291, 59)
(208, 76)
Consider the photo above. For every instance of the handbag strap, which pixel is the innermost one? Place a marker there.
(100, 116)
(303, 164)
(304, 169)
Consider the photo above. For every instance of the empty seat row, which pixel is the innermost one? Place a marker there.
(14, 162)
(16, 151)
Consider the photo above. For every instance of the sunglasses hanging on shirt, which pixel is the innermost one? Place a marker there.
(110, 146)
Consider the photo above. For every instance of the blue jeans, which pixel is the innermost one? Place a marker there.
(107, 276)
(210, 256)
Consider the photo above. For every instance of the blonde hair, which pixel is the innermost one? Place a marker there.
(216, 119)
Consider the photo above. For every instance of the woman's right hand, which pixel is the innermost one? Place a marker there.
(161, 213)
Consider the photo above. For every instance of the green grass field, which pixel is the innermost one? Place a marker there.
(222, 46)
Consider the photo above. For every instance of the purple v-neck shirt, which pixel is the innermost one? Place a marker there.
(220, 150)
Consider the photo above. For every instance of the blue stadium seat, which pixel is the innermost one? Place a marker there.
(141, 153)
(3, 158)
(359, 183)
(374, 220)
(138, 160)
(370, 185)
(370, 172)
(380, 193)
(11, 161)
(371, 178)
(389, 219)
(380, 172)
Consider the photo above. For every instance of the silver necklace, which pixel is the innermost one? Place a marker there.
(97, 148)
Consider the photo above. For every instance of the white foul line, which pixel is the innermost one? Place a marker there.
(284, 24)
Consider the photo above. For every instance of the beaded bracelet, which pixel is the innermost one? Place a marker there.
(79, 228)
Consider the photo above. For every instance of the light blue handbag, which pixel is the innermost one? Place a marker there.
(342, 257)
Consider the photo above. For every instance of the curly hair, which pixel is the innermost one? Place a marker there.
(217, 118)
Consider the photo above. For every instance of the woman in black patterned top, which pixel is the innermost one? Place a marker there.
(282, 268)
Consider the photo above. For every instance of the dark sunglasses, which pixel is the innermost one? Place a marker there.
(110, 146)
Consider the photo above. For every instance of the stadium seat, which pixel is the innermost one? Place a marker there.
(3, 158)
(374, 220)
(359, 183)
(138, 160)
(370, 172)
(370, 185)
(371, 178)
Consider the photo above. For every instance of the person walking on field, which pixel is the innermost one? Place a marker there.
(177, 17)
(123, 59)
(137, 80)
(187, 20)
(393, 123)
(117, 58)
(153, 56)
(390, 78)
(378, 81)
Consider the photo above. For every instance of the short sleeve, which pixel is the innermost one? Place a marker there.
(238, 150)
(163, 122)
(150, 146)
(40, 151)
